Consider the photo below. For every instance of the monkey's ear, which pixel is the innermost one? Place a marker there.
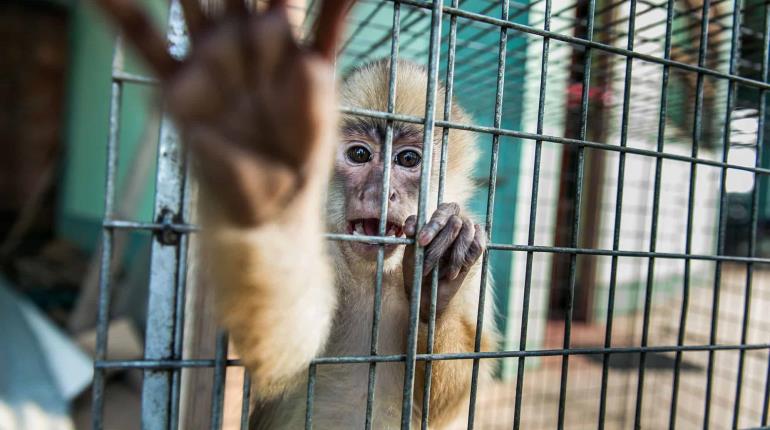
(329, 27)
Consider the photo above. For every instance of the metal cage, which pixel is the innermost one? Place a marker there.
(594, 88)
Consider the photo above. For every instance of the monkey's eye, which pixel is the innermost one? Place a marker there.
(408, 158)
(358, 154)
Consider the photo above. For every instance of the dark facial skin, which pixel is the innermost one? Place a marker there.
(452, 242)
(359, 163)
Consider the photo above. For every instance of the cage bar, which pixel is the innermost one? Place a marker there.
(105, 264)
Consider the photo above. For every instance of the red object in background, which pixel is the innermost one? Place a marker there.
(598, 95)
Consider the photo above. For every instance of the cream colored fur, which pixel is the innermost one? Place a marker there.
(284, 306)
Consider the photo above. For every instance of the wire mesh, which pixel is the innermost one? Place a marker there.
(616, 266)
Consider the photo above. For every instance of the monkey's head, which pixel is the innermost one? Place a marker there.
(356, 187)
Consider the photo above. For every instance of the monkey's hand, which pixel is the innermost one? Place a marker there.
(454, 243)
(256, 108)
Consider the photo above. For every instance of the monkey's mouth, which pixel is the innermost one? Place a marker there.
(371, 227)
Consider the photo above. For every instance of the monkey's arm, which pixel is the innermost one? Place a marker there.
(257, 110)
(452, 239)
(275, 293)
(455, 331)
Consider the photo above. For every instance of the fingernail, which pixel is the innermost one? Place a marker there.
(423, 238)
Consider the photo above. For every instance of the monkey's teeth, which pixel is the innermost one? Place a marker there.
(358, 228)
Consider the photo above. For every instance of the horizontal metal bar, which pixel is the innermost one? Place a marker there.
(620, 253)
(154, 226)
(172, 364)
(386, 240)
(390, 240)
(133, 78)
(589, 44)
(563, 140)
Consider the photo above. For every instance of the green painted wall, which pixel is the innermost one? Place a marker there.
(87, 125)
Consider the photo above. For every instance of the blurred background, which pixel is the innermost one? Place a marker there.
(59, 68)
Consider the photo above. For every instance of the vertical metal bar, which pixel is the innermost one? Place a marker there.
(309, 399)
(448, 94)
(753, 229)
(181, 293)
(384, 198)
(696, 137)
(105, 270)
(220, 373)
(422, 206)
(662, 135)
(246, 402)
(651, 261)
(731, 89)
(760, 144)
(503, 42)
(165, 255)
(532, 218)
(619, 196)
(766, 402)
(576, 232)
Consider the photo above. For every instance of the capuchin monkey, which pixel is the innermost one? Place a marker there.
(278, 168)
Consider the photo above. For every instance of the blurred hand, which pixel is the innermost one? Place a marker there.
(257, 109)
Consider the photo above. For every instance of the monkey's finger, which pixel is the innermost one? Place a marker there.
(460, 248)
(437, 222)
(441, 243)
(143, 35)
(407, 268)
(271, 44)
(477, 247)
(236, 7)
(277, 5)
(410, 226)
(223, 56)
(330, 25)
(194, 17)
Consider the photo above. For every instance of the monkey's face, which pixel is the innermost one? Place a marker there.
(359, 169)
